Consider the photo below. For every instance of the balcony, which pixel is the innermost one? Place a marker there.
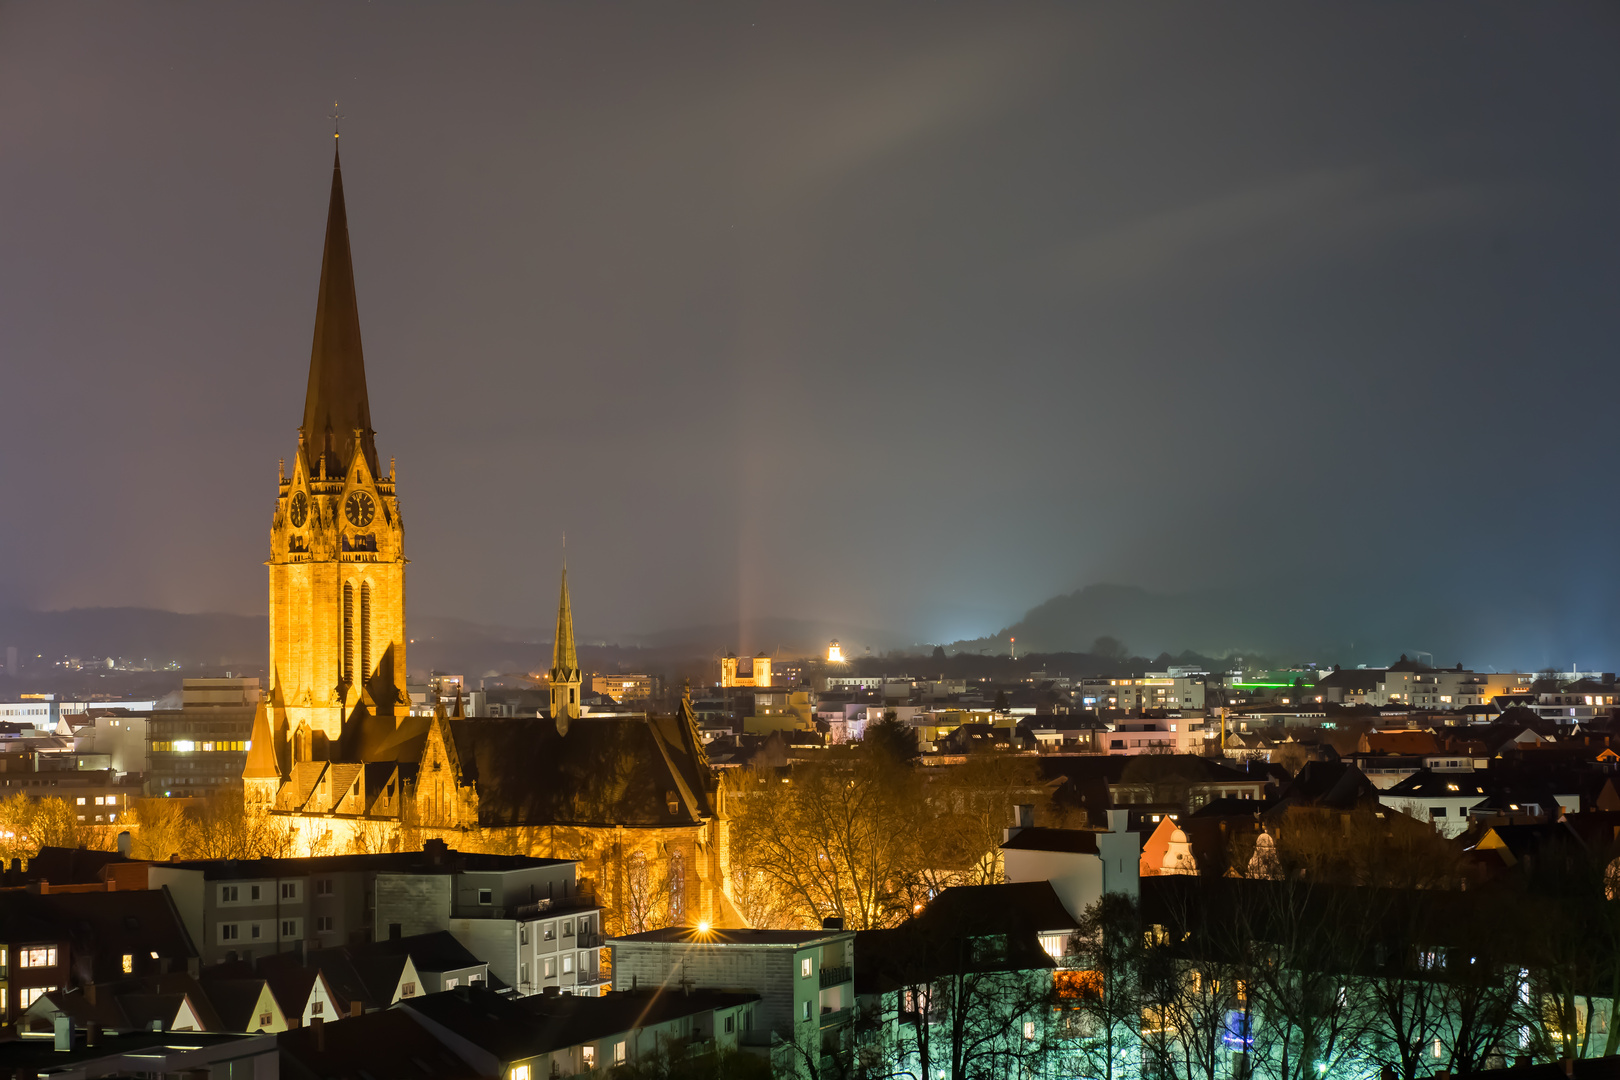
(588, 941)
(834, 976)
(834, 1017)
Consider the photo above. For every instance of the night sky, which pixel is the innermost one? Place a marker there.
(905, 316)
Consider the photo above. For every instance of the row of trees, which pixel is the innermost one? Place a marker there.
(865, 836)
(1349, 960)
(215, 828)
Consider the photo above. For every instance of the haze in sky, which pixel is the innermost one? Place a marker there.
(905, 315)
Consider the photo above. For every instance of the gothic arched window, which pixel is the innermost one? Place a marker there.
(348, 632)
(365, 631)
(677, 888)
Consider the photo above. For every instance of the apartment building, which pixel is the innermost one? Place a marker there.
(526, 918)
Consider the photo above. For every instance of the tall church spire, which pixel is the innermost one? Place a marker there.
(335, 404)
(565, 675)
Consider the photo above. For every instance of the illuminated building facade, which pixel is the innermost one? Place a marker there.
(758, 673)
(336, 752)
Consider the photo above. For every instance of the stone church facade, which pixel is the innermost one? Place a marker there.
(336, 755)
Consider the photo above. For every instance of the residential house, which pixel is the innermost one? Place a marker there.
(804, 978)
(561, 1035)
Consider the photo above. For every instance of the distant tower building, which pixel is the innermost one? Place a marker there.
(758, 675)
(565, 675)
(835, 652)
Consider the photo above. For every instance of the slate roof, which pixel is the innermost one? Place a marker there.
(437, 952)
(514, 1028)
(106, 925)
(605, 771)
(70, 866)
(1334, 785)
(1010, 908)
(390, 1044)
(448, 861)
(1075, 841)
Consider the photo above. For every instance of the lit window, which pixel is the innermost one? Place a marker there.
(804, 967)
(38, 957)
(129, 963)
(618, 1053)
(587, 1056)
(520, 1072)
(81, 800)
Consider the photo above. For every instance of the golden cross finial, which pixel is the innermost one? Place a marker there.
(335, 117)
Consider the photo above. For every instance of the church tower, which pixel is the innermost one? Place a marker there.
(337, 559)
(565, 675)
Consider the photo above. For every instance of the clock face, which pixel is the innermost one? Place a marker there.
(300, 509)
(359, 509)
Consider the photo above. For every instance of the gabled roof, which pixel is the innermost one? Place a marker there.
(112, 923)
(370, 979)
(1427, 784)
(1334, 785)
(605, 771)
(438, 951)
(391, 1044)
(235, 1001)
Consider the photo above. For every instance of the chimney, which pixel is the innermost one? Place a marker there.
(92, 1033)
(1569, 1066)
(832, 922)
(320, 1033)
(90, 992)
(436, 849)
(356, 1007)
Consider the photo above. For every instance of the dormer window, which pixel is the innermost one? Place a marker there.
(673, 802)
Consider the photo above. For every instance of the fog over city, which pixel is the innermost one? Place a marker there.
(897, 318)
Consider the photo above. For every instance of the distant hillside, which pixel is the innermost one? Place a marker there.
(137, 634)
(240, 642)
(1212, 622)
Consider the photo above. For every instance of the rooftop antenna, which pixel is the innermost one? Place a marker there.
(335, 117)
